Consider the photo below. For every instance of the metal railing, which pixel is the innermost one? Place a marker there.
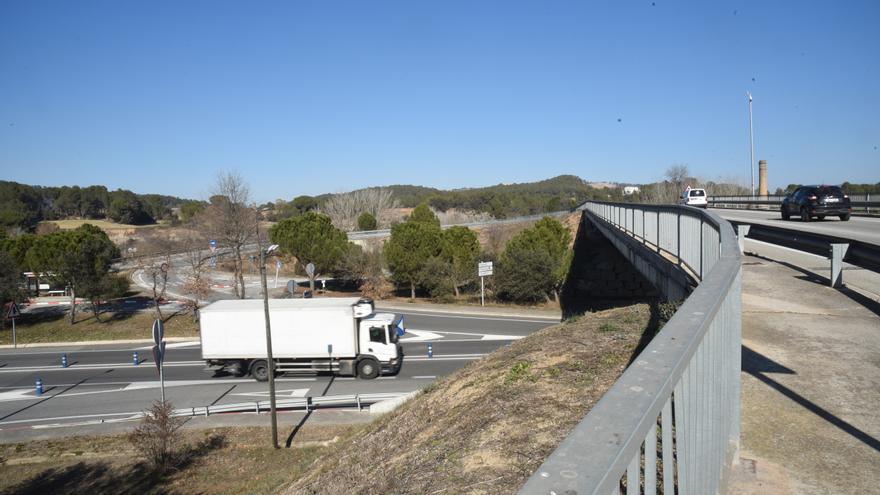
(671, 422)
(865, 203)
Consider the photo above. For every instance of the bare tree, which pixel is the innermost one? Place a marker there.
(157, 273)
(345, 208)
(231, 221)
(196, 284)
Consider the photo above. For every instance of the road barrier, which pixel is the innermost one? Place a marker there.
(671, 421)
(838, 250)
(864, 203)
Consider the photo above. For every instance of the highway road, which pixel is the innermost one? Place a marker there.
(865, 229)
(102, 382)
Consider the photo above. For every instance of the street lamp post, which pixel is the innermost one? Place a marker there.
(751, 145)
(269, 360)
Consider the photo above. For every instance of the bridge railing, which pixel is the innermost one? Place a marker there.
(670, 424)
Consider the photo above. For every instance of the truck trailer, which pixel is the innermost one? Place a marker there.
(342, 336)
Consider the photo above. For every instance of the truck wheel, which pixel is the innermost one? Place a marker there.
(260, 370)
(368, 369)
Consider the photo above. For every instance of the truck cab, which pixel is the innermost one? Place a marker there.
(379, 338)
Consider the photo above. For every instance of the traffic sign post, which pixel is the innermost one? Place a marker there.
(159, 353)
(484, 269)
(277, 267)
(310, 270)
(12, 312)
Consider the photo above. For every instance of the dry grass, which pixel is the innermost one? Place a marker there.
(105, 225)
(33, 328)
(487, 427)
(215, 461)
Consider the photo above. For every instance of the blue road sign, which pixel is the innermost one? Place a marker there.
(213, 243)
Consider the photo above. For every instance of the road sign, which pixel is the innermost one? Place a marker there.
(277, 264)
(158, 331)
(213, 245)
(310, 269)
(12, 311)
(159, 356)
(291, 286)
(485, 268)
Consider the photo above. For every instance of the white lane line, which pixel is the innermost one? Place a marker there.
(425, 335)
(530, 319)
(58, 418)
(175, 345)
(293, 392)
(424, 377)
(29, 394)
(108, 366)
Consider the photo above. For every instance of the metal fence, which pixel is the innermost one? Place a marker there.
(861, 203)
(670, 424)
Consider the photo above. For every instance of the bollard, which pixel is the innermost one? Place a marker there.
(134, 358)
(64, 360)
(38, 386)
(430, 350)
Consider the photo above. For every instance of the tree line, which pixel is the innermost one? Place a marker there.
(23, 206)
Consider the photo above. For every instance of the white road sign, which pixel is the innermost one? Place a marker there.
(484, 269)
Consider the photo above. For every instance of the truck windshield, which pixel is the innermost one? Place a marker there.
(392, 333)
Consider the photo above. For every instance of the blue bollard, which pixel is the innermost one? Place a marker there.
(134, 358)
(64, 360)
(38, 386)
(430, 350)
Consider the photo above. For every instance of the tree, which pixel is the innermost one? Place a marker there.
(423, 214)
(189, 210)
(126, 207)
(79, 258)
(436, 277)
(460, 249)
(366, 268)
(345, 208)
(367, 221)
(544, 248)
(523, 274)
(311, 238)
(230, 221)
(408, 249)
(10, 281)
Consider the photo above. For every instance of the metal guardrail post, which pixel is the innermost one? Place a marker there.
(838, 251)
(741, 232)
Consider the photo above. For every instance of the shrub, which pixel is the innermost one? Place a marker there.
(157, 438)
(367, 221)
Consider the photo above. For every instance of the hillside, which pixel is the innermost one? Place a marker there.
(487, 427)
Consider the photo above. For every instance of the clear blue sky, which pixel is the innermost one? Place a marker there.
(312, 97)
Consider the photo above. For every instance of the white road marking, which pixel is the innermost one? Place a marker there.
(294, 392)
(420, 336)
(108, 366)
(175, 345)
(424, 377)
(439, 315)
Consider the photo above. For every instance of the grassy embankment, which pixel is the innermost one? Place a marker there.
(44, 327)
(483, 429)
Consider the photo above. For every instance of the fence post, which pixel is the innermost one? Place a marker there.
(838, 251)
(741, 232)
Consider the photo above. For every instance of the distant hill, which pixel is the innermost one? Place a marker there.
(507, 200)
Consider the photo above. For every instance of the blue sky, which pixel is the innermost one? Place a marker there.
(313, 97)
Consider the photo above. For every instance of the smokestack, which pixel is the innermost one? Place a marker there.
(762, 177)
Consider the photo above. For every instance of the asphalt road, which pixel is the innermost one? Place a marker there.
(865, 229)
(102, 382)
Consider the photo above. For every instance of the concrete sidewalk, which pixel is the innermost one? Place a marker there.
(810, 385)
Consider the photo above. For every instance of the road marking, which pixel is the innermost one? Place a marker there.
(294, 392)
(420, 336)
(109, 366)
(175, 345)
(528, 319)
(424, 377)
(57, 418)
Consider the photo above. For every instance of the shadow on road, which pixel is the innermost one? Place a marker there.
(757, 365)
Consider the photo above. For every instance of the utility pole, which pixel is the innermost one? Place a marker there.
(751, 145)
(270, 362)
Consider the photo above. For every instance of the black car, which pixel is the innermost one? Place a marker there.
(808, 202)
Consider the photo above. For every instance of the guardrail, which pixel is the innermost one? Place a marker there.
(859, 202)
(837, 249)
(671, 422)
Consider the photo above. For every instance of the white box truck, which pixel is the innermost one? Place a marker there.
(339, 335)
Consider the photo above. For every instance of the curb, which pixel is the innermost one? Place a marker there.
(389, 405)
(98, 342)
(467, 311)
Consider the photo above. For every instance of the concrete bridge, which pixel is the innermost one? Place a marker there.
(765, 380)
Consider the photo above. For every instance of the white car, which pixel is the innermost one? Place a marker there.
(693, 197)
